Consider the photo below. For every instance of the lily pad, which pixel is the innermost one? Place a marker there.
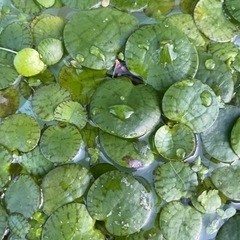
(81, 4)
(60, 144)
(67, 183)
(28, 62)
(9, 76)
(26, 6)
(216, 74)
(216, 140)
(175, 180)
(46, 3)
(129, 5)
(81, 84)
(210, 19)
(5, 162)
(71, 221)
(23, 196)
(233, 8)
(179, 222)
(22, 37)
(226, 180)
(127, 153)
(71, 112)
(84, 36)
(235, 137)
(19, 132)
(122, 109)
(119, 200)
(230, 230)
(51, 50)
(35, 163)
(192, 103)
(6, 58)
(175, 143)
(9, 101)
(3, 221)
(161, 54)
(46, 99)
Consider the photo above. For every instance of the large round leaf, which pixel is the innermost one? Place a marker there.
(210, 19)
(216, 140)
(175, 180)
(175, 143)
(121, 201)
(230, 230)
(19, 132)
(179, 222)
(67, 183)
(71, 221)
(122, 109)
(161, 55)
(23, 196)
(94, 37)
(192, 103)
(46, 99)
(127, 153)
(226, 180)
(60, 144)
(235, 137)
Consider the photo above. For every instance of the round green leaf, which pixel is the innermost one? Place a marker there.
(226, 180)
(9, 76)
(71, 112)
(81, 4)
(3, 221)
(35, 163)
(18, 225)
(67, 183)
(216, 140)
(179, 222)
(127, 153)
(122, 109)
(51, 50)
(216, 74)
(26, 6)
(81, 84)
(192, 103)
(60, 144)
(48, 27)
(85, 36)
(19, 132)
(5, 162)
(230, 230)
(121, 201)
(175, 180)
(175, 143)
(161, 55)
(46, 3)
(130, 5)
(46, 99)
(210, 19)
(22, 37)
(9, 101)
(23, 196)
(233, 8)
(235, 137)
(71, 221)
(28, 62)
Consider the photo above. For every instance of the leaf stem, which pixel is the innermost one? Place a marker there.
(8, 50)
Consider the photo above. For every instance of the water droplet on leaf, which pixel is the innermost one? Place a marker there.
(210, 64)
(80, 58)
(206, 98)
(181, 153)
(167, 54)
(122, 112)
(97, 53)
(143, 46)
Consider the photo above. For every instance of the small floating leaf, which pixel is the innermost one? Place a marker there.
(235, 137)
(28, 63)
(47, 98)
(122, 109)
(71, 221)
(175, 143)
(121, 201)
(192, 103)
(185, 219)
(67, 183)
(23, 196)
(60, 144)
(19, 132)
(175, 180)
